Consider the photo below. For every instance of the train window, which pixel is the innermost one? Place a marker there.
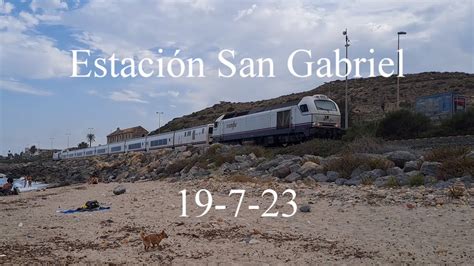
(216, 124)
(304, 108)
(202, 131)
(134, 146)
(210, 130)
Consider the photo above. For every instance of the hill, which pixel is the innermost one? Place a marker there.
(366, 96)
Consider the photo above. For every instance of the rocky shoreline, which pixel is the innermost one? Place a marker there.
(392, 169)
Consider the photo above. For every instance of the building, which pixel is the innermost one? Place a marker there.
(128, 133)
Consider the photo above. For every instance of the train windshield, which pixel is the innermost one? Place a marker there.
(325, 105)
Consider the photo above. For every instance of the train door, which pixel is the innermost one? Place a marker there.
(283, 119)
(194, 135)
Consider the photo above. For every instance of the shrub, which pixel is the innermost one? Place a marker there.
(320, 147)
(456, 167)
(392, 182)
(367, 180)
(380, 163)
(459, 124)
(344, 165)
(454, 162)
(416, 180)
(446, 153)
(403, 124)
(361, 130)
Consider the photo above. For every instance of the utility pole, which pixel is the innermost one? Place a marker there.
(52, 139)
(346, 115)
(398, 68)
(159, 121)
(68, 134)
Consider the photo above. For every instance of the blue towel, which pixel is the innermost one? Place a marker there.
(84, 210)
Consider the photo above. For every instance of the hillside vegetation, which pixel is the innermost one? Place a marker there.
(366, 96)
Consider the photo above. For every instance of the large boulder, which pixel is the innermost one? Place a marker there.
(269, 164)
(320, 178)
(355, 181)
(332, 176)
(283, 169)
(310, 168)
(411, 166)
(293, 177)
(394, 171)
(430, 168)
(400, 157)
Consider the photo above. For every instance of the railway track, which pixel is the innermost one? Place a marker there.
(430, 143)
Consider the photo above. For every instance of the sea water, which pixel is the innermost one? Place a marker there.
(20, 182)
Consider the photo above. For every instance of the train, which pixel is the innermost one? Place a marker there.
(297, 121)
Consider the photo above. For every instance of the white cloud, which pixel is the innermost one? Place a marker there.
(245, 12)
(6, 8)
(126, 96)
(47, 5)
(15, 86)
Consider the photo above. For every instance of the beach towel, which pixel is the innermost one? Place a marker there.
(83, 210)
(90, 206)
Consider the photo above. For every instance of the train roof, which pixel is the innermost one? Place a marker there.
(261, 109)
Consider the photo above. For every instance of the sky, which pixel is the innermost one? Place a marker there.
(42, 105)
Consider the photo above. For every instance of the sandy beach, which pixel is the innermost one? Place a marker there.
(345, 225)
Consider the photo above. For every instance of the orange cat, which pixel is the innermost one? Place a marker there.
(152, 239)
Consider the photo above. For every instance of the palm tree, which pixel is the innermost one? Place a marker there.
(90, 138)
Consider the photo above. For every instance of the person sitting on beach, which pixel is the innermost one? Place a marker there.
(7, 188)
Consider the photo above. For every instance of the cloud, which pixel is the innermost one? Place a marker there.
(6, 8)
(47, 5)
(126, 96)
(16, 86)
(245, 12)
(28, 54)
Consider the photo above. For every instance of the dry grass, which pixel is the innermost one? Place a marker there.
(392, 182)
(348, 163)
(416, 180)
(446, 153)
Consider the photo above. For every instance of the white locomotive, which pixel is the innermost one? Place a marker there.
(294, 121)
(312, 116)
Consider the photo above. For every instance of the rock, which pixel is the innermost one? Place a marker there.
(467, 180)
(470, 155)
(309, 168)
(295, 168)
(305, 208)
(293, 177)
(411, 166)
(374, 174)
(381, 181)
(269, 164)
(332, 176)
(312, 158)
(119, 190)
(353, 181)
(123, 175)
(400, 157)
(186, 154)
(430, 180)
(413, 173)
(430, 168)
(283, 169)
(394, 171)
(320, 178)
(340, 181)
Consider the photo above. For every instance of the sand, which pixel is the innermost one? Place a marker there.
(344, 226)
